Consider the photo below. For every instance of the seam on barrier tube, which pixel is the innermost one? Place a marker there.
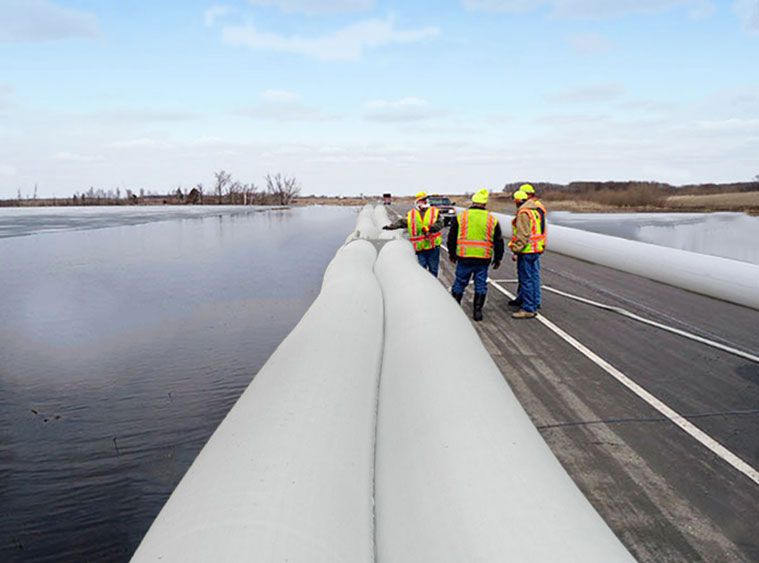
(376, 418)
(630, 315)
(691, 429)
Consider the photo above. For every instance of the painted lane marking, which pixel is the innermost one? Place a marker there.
(692, 430)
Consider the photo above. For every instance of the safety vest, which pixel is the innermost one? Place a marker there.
(476, 229)
(536, 244)
(416, 224)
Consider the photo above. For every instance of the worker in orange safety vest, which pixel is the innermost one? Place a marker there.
(425, 227)
(527, 243)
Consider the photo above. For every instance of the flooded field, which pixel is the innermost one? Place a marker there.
(122, 348)
(729, 235)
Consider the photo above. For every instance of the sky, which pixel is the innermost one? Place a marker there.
(373, 96)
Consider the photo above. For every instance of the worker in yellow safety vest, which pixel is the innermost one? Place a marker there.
(528, 242)
(425, 227)
(474, 241)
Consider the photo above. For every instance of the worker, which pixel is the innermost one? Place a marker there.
(425, 227)
(527, 244)
(530, 191)
(474, 241)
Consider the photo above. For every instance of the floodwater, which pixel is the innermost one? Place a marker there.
(729, 235)
(121, 350)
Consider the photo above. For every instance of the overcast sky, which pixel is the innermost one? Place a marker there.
(369, 96)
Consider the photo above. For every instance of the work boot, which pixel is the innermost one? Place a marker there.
(478, 302)
(457, 296)
(522, 314)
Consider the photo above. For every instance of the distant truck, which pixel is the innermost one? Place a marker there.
(387, 199)
(445, 206)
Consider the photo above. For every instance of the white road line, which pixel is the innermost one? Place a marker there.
(703, 438)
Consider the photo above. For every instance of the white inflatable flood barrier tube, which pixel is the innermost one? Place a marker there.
(287, 476)
(461, 472)
(728, 280)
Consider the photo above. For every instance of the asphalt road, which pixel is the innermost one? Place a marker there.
(665, 495)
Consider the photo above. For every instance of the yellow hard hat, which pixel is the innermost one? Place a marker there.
(481, 196)
(527, 188)
(421, 195)
(519, 195)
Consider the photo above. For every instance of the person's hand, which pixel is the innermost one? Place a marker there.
(452, 258)
(496, 265)
(513, 257)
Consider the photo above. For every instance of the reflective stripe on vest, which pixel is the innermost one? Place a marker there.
(417, 236)
(536, 244)
(476, 230)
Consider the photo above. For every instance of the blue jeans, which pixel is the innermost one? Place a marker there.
(429, 259)
(528, 271)
(464, 273)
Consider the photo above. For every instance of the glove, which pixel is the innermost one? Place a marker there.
(496, 265)
(386, 228)
(452, 258)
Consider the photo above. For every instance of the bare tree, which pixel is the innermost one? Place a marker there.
(233, 190)
(282, 189)
(223, 179)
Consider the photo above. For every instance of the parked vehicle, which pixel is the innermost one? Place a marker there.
(445, 206)
(387, 199)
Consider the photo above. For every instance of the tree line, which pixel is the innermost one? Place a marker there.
(278, 189)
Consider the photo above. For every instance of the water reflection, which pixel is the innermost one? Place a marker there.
(729, 235)
(121, 349)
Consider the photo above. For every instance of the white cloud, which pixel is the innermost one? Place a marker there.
(42, 20)
(731, 124)
(281, 105)
(590, 43)
(318, 6)
(401, 111)
(589, 94)
(74, 157)
(141, 143)
(748, 11)
(7, 170)
(592, 9)
(215, 12)
(138, 115)
(346, 44)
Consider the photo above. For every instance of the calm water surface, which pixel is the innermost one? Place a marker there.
(121, 350)
(729, 235)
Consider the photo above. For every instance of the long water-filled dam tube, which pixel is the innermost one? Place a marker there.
(461, 472)
(287, 476)
(728, 280)
(379, 430)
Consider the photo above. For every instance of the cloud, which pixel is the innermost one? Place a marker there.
(130, 115)
(141, 143)
(748, 11)
(74, 157)
(215, 12)
(41, 20)
(346, 44)
(400, 111)
(281, 105)
(7, 170)
(588, 94)
(590, 44)
(318, 6)
(592, 9)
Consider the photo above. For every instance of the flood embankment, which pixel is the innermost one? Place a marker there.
(380, 429)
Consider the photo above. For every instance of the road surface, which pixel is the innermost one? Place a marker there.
(666, 495)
